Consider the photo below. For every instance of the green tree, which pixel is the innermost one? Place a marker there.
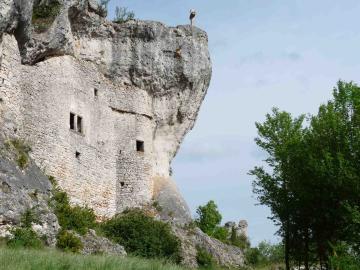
(209, 218)
(312, 179)
(280, 136)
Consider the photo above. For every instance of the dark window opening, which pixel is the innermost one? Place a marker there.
(77, 154)
(140, 146)
(79, 124)
(122, 184)
(95, 92)
(72, 121)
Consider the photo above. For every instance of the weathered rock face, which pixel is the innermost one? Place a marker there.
(225, 255)
(22, 190)
(93, 244)
(104, 106)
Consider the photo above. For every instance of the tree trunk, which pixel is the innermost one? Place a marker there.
(306, 259)
(287, 245)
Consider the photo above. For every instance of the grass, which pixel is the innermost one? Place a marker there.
(24, 259)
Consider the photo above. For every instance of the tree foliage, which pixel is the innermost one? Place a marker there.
(209, 218)
(312, 179)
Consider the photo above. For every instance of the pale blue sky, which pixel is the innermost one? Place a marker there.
(265, 53)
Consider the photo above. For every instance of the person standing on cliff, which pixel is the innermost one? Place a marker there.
(192, 16)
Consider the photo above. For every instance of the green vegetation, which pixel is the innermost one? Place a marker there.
(44, 15)
(312, 185)
(204, 259)
(28, 217)
(265, 255)
(344, 258)
(22, 151)
(77, 218)
(123, 15)
(21, 259)
(67, 241)
(24, 237)
(143, 236)
(209, 219)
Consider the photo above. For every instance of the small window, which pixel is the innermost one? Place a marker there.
(122, 184)
(72, 121)
(140, 146)
(95, 92)
(77, 154)
(79, 124)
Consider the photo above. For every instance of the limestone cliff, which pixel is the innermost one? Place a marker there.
(104, 106)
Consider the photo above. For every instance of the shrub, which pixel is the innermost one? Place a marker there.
(222, 234)
(208, 217)
(44, 15)
(77, 218)
(123, 15)
(27, 218)
(24, 237)
(240, 241)
(344, 258)
(143, 236)
(67, 241)
(252, 256)
(204, 258)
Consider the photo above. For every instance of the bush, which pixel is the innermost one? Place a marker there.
(252, 256)
(222, 234)
(24, 237)
(344, 258)
(123, 15)
(44, 15)
(27, 218)
(240, 241)
(67, 241)
(204, 258)
(77, 218)
(143, 236)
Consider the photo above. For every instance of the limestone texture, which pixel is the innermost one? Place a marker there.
(225, 255)
(22, 190)
(94, 244)
(104, 106)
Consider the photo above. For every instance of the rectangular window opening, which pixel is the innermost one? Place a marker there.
(79, 124)
(77, 154)
(140, 146)
(72, 121)
(95, 92)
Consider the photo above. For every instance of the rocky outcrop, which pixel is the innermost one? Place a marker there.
(192, 238)
(22, 190)
(94, 244)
